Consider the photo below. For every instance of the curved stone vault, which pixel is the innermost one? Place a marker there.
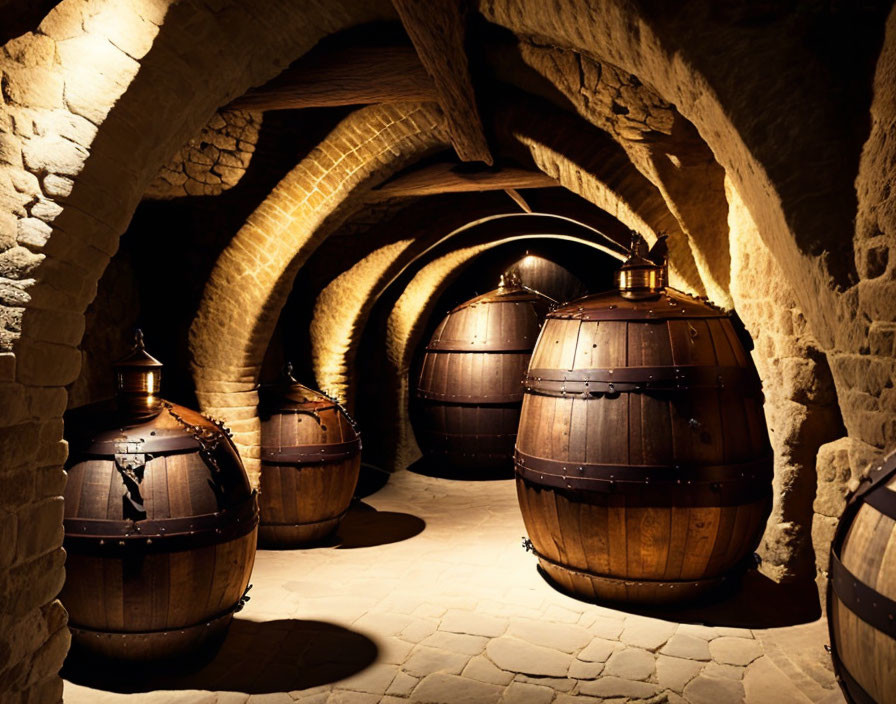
(757, 137)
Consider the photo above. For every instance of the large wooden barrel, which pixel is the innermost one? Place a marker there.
(862, 590)
(470, 381)
(160, 531)
(310, 460)
(548, 277)
(643, 463)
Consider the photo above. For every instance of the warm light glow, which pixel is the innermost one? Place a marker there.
(339, 315)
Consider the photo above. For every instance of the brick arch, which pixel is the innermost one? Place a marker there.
(407, 321)
(342, 309)
(254, 274)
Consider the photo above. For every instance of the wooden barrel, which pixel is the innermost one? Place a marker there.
(310, 460)
(160, 532)
(470, 381)
(548, 277)
(643, 463)
(862, 590)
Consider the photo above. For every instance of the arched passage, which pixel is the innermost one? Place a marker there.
(342, 308)
(102, 93)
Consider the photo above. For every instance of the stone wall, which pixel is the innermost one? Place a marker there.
(94, 102)
(102, 94)
(212, 161)
(800, 399)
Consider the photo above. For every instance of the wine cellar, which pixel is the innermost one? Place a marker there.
(447, 352)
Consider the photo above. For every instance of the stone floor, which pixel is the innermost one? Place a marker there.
(429, 597)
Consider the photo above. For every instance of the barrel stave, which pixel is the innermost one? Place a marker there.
(633, 542)
(469, 382)
(304, 499)
(868, 552)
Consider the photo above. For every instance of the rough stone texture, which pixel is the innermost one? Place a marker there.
(685, 646)
(662, 145)
(839, 465)
(212, 161)
(109, 324)
(631, 664)
(518, 656)
(78, 148)
(800, 400)
(709, 690)
(735, 651)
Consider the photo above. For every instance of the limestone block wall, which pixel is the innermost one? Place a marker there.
(212, 161)
(661, 144)
(800, 399)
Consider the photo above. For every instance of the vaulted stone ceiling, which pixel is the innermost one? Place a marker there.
(757, 136)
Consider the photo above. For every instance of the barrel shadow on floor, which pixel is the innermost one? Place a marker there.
(428, 468)
(257, 657)
(365, 527)
(751, 601)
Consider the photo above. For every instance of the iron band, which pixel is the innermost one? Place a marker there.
(513, 397)
(865, 602)
(884, 500)
(709, 485)
(332, 519)
(102, 537)
(467, 346)
(586, 382)
(662, 584)
(312, 454)
(659, 313)
(849, 590)
(158, 444)
(208, 625)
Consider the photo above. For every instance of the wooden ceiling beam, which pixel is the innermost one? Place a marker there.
(351, 76)
(448, 178)
(437, 28)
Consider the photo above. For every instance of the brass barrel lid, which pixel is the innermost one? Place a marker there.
(668, 304)
(509, 290)
(644, 273)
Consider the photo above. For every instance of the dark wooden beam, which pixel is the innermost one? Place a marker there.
(351, 76)
(437, 29)
(448, 178)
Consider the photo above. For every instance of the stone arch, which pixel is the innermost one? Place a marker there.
(342, 308)
(680, 61)
(254, 274)
(407, 318)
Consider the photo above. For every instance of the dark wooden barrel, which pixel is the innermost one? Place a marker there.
(310, 460)
(643, 463)
(862, 590)
(160, 531)
(470, 381)
(548, 277)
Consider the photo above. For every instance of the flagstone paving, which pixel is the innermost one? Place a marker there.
(453, 611)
